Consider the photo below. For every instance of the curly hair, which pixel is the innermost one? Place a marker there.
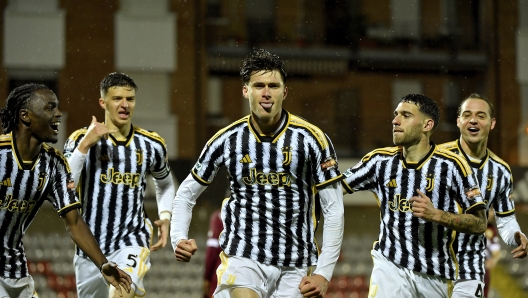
(261, 60)
(18, 99)
(426, 105)
(116, 79)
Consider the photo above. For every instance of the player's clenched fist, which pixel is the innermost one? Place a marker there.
(185, 249)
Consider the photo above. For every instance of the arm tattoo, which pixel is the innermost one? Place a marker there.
(465, 223)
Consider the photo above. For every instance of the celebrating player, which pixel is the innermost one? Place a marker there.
(476, 118)
(275, 161)
(31, 172)
(110, 162)
(419, 188)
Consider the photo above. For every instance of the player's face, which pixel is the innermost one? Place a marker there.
(266, 92)
(119, 103)
(45, 116)
(407, 125)
(474, 121)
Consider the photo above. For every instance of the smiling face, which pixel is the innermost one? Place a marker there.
(408, 124)
(474, 121)
(266, 92)
(43, 116)
(119, 104)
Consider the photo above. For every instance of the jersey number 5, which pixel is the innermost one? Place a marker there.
(132, 258)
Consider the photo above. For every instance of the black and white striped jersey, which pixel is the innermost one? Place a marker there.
(112, 186)
(406, 240)
(23, 188)
(269, 216)
(496, 185)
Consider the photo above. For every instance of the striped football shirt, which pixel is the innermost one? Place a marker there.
(269, 216)
(24, 186)
(112, 186)
(404, 239)
(496, 185)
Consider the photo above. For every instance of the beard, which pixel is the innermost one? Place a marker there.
(409, 138)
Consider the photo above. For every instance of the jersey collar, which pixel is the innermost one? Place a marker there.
(126, 141)
(419, 164)
(473, 164)
(285, 121)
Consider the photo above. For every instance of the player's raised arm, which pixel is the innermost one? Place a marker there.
(83, 237)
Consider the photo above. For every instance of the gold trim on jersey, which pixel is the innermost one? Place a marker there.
(330, 181)
(150, 134)
(383, 151)
(316, 131)
(199, 178)
(509, 212)
(221, 131)
(465, 167)
(453, 238)
(68, 206)
(476, 205)
(59, 154)
(79, 132)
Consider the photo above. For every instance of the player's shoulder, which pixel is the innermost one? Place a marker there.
(494, 158)
(451, 146)
(149, 135)
(387, 152)
(231, 128)
(78, 134)
(299, 122)
(453, 158)
(53, 152)
(6, 140)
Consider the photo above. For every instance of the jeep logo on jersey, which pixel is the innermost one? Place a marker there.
(13, 205)
(114, 177)
(400, 204)
(275, 179)
(286, 152)
(43, 177)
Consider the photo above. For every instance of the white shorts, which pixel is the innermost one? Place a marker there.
(265, 280)
(17, 287)
(133, 260)
(468, 288)
(389, 280)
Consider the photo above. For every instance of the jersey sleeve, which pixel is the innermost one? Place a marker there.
(62, 194)
(325, 165)
(467, 188)
(160, 167)
(209, 162)
(503, 203)
(73, 141)
(362, 176)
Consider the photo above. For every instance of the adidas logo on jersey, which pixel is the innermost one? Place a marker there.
(392, 183)
(246, 159)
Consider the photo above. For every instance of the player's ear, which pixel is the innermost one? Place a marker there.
(285, 92)
(245, 91)
(24, 116)
(493, 121)
(429, 124)
(102, 103)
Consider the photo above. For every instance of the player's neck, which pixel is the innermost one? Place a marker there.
(474, 150)
(122, 130)
(28, 146)
(416, 152)
(267, 126)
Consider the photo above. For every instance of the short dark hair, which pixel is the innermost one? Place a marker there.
(116, 79)
(477, 96)
(260, 60)
(426, 105)
(18, 99)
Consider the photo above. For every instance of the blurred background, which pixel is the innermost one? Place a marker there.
(348, 63)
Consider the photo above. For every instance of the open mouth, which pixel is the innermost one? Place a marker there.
(473, 130)
(266, 105)
(123, 115)
(55, 126)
